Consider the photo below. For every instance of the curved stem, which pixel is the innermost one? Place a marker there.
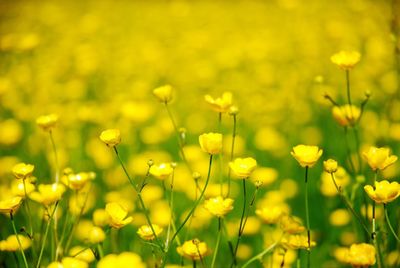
(260, 255)
(307, 220)
(218, 241)
(389, 224)
(241, 224)
(45, 235)
(19, 242)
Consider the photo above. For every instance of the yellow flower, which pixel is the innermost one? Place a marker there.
(111, 137)
(218, 206)
(221, 104)
(123, 260)
(211, 142)
(243, 167)
(83, 254)
(96, 235)
(10, 205)
(346, 60)
(161, 171)
(193, 249)
(22, 170)
(379, 158)
(296, 241)
(100, 217)
(11, 243)
(47, 122)
(291, 225)
(342, 179)
(18, 188)
(306, 155)
(163, 93)
(361, 255)
(117, 215)
(48, 194)
(78, 181)
(264, 176)
(146, 233)
(384, 191)
(271, 214)
(70, 262)
(339, 217)
(346, 115)
(330, 166)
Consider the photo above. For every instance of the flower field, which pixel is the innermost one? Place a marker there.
(199, 134)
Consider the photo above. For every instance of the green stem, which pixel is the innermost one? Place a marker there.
(53, 144)
(28, 211)
(218, 241)
(389, 224)
(307, 219)
(260, 255)
(139, 194)
(171, 207)
(353, 169)
(232, 152)
(19, 242)
(45, 235)
(100, 249)
(241, 225)
(348, 91)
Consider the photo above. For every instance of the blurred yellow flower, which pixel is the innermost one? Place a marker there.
(270, 214)
(100, 217)
(211, 142)
(339, 217)
(264, 175)
(111, 137)
(96, 235)
(22, 170)
(161, 171)
(218, 206)
(11, 132)
(346, 115)
(243, 167)
(163, 93)
(81, 253)
(47, 122)
(291, 224)
(79, 180)
(330, 166)
(146, 233)
(361, 255)
(296, 241)
(123, 260)
(69, 262)
(342, 179)
(10, 205)
(306, 155)
(193, 249)
(221, 104)
(384, 191)
(48, 194)
(19, 188)
(379, 158)
(346, 60)
(11, 243)
(117, 215)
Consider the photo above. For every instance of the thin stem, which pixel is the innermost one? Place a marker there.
(348, 205)
(45, 235)
(171, 207)
(353, 169)
(260, 255)
(28, 211)
(218, 241)
(19, 242)
(196, 203)
(389, 224)
(348, 91)
(139, 196)
(100, 249)
(53, 144)
(241, 225)
(232, 152)
(307, 219)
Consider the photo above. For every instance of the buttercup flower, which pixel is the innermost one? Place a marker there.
(123, 260)
(47, 122)
(117, 215)
(11, 243)
(346, 60)
(296, 241)
(330, 166)
(48, 194)
(146, 233)
(22, 170)
(100, 217)
(346, 115)
(379, 158)
(291, 225)
(361, 255)
(193, 249)
(271, 214)
(384, 191)
(218, 206)
(161, 171)
(221, 104)
(306, 155)
(163, 93)
(83, 254)
(18, 188)
(243, 167)
(111, 137)
(10, 205)
(211, 142)
(78, 181)
(96, 235)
